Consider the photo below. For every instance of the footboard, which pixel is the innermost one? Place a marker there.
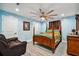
(43, 40)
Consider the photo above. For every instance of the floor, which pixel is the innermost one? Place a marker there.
(39, 50)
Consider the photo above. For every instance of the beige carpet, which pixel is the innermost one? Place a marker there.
(39, 50)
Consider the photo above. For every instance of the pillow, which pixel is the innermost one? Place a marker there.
(56, 30)
(49, 30)
(49, 34)
(56, 33)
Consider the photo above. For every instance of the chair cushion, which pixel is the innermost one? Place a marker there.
(13, 43)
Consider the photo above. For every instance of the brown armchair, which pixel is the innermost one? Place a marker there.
(11, 46)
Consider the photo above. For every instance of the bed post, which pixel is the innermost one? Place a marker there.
(53, 50)
(33, 43)
(33, 34)
(60, 32)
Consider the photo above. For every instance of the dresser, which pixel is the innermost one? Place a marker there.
(73, 45)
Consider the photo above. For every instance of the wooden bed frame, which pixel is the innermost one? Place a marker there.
(47, 41)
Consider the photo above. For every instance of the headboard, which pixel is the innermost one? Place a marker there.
(55, 25)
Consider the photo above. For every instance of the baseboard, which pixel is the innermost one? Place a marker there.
(26, 40)
(29, 40)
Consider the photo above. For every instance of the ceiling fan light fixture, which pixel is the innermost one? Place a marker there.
(42, 18)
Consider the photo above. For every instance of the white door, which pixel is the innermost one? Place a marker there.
(9, 24)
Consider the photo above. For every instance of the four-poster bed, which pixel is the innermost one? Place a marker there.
(52, 37)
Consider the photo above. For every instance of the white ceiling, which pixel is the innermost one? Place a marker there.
(25, 8)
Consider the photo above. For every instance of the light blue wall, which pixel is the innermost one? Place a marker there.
(38, 26)
(67, 24)
(26, 35)
(0, 23)
(43, 26)
(22, 35)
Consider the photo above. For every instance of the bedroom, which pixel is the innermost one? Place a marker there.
(22, 20)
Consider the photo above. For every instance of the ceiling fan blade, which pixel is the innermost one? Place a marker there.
(53, 15)
(50, 11)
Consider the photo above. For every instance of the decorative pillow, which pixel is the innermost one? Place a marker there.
(49, 30)
(49, 34)
(56, 30)
(56, 33)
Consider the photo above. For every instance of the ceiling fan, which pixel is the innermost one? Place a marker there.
(43, 14)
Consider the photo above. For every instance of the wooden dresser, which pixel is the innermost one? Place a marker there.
(73, 45)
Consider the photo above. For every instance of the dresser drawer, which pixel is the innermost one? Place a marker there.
(73, 45)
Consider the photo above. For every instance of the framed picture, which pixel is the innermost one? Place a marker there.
(26, 25)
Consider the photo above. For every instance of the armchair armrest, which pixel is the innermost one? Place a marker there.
(3, 43)
(12, 39)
